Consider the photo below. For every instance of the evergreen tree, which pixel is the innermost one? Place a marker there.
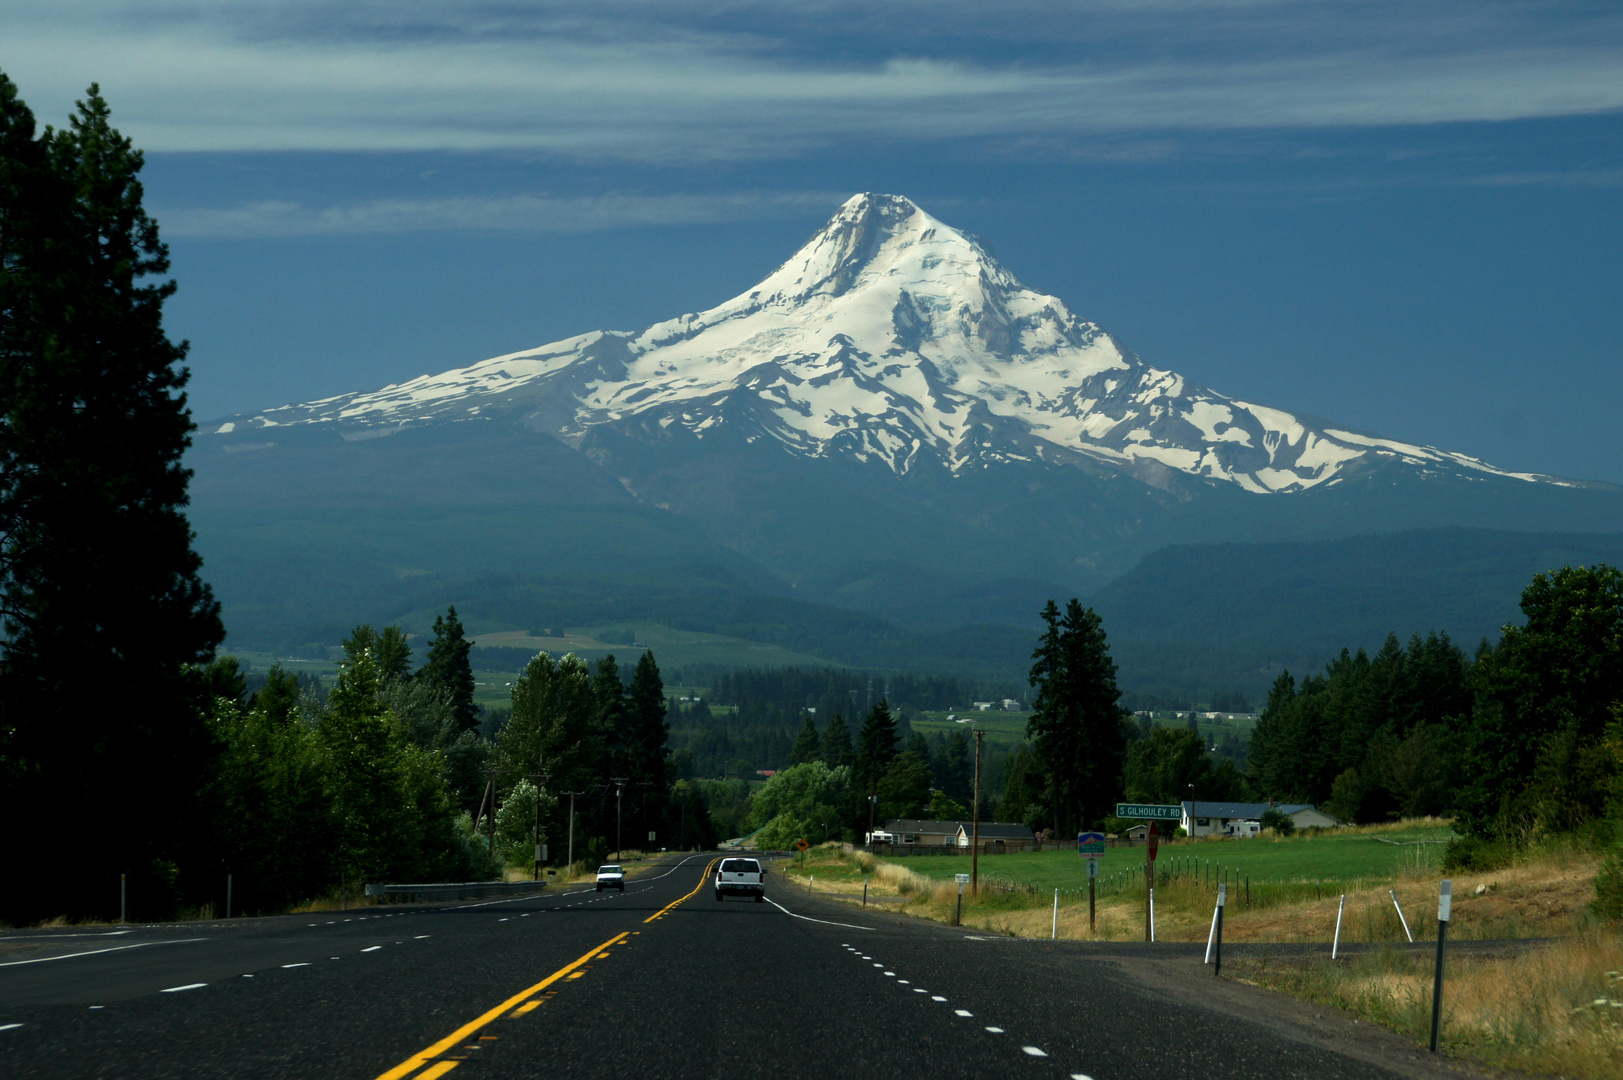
(394, 655)
(837, 743)
(277, 698)
(955, 773)
(1535, 749)
(808, 744)
(650, 744)
(97, 569)
(1076, 723)
(448, 667)
(390, 650)
(876, 749)
(612, 718)
(223, 678)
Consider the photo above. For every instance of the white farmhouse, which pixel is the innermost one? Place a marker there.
(1245, 819)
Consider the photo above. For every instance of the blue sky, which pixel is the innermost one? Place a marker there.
(1402, 216)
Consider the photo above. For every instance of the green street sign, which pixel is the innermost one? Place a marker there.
(1149, 811)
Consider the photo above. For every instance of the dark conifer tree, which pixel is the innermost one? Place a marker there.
(393, 655)
(97, 569)
(1076, 723)
(278, 696)
(448, 668)
(876, 748)
(808, 744)
(837, 742)
(650, 750)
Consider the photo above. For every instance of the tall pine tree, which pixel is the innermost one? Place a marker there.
(808, 744)
(97, 569)
(1075, 723)
(448, 668)
(837, 742)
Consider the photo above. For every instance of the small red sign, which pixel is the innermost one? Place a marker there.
(1155, 840)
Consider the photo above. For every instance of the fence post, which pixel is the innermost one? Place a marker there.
(1393, 894)
(1445, 905)
(1335, 946)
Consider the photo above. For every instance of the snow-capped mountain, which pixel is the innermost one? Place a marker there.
(888, 338)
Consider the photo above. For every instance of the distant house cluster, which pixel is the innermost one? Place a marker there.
(1243, 819)
(914, 832)
(1007, 704)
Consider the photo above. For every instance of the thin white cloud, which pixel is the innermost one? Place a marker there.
(512, 213)
(297, 77)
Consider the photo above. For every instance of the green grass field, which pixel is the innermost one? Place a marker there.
(1000, 727)
(1325, 857)
(672, 648)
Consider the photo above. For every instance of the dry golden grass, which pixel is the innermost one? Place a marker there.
(1543, 895)
(1553, 1010)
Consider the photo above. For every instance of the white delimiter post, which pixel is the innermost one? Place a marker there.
(1335, 946)
(1054, 935)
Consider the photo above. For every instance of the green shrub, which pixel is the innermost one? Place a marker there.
(1473, 853)
(1608, 902)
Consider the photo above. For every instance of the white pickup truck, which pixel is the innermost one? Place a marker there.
(611, 877)
(744, 877)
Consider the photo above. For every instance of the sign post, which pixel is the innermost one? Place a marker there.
(1093, 876)
(1445, 906)
(1091, 845)
(958, 918)
(1151, 813)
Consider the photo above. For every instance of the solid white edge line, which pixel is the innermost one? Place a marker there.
(808, 918)
(176, 989)
(93, 952)
(59, 937)
(8, 1027)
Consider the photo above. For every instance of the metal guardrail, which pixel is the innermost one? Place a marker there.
(455, 890)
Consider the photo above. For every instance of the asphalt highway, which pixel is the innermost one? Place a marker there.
(663, 981)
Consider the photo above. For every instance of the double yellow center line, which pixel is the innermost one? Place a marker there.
(440, 1068)
(703, 878)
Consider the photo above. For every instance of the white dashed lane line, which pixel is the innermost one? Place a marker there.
(1029, 1051)
(177, 989)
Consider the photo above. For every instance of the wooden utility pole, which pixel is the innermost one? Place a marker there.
(619, 789)
(572, 795)
(538, 779)
(975, 825)
(491, 788)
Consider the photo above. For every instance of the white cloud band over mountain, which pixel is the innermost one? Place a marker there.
(690, 83)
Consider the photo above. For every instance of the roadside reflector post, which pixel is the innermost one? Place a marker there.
(123, 882)
(1445, 906)
(1054, 934)
(1394, 895)
(228, 896)
(1211, 935)
(1335, 946)
(864, 890)
(1217, 954)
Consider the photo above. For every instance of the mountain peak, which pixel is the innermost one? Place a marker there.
(890, 337)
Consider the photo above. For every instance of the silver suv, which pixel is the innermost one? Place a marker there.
(746, 877)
